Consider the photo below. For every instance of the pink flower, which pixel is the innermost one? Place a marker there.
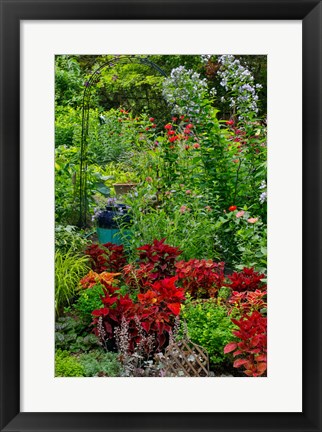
(196, 145)
(183, 209)
(240, 214)
(149, 179)
(252, 220)
(208, 208)
(188, 192)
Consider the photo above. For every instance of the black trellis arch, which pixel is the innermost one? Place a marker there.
(93, 80)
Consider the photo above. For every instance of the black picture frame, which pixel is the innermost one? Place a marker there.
(12, 12)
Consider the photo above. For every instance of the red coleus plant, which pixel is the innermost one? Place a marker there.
(162, 256)
(139, 277)
(105, 279)
(109, 317)
(155, 311)
(248, 301)
(246, 280)
(165, 295)
(251, 350)
(106, 257)
(200, 278)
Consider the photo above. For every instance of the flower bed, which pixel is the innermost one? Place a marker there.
(181, 257)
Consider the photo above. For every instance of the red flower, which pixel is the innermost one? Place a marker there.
(190, 126)
(168, 126)
(196, 145)
(173, 138)
(151, 119)
(230, 122)
(232, 208)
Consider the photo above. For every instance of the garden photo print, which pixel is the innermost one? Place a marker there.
(161, 216)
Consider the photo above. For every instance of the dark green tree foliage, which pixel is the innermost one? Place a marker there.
(68, 81)
(137, 87)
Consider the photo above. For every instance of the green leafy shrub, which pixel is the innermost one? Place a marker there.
(249, 234)
(186, 222)
(67, 366)
(69, 269)
(113, 139)
(67, 125)
(88, 300)
(100, 363)
(66, 184)
(224, 293)
(208, 326)
(71, 334)
(69, 238)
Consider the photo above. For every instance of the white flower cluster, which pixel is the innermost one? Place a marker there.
(184, 90)
(205, 57)
(239, 83)
(263, 195)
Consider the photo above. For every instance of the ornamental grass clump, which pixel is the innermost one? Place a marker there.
(69, 269)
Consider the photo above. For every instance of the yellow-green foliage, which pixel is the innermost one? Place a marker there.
(67, 366)
(209, 326)
(69, 269)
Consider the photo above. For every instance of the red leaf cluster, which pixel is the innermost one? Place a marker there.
(252, 347)
(248, 301)
(107, 257)
(105, 279)
(162, 256)
(246, 280)
(155, 311)
(138, 277)
(200, 278)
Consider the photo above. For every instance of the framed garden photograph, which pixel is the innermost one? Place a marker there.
(160, 215)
